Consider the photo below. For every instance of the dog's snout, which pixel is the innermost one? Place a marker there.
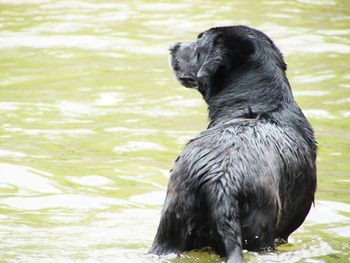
(174, 47)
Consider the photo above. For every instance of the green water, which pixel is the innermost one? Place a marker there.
(91, 121)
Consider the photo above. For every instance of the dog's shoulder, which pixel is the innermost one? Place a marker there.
(241, 141)
(213, 146)
(234, 132)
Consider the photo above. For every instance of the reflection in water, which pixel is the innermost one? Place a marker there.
(328, 212)
(90, 180)
(315, 93)
(138, 145)
(26, 179)
(67, 201)
(318, 114)
(92, 120)
(5, 153)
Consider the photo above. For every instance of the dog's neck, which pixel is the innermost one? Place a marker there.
(259, 91)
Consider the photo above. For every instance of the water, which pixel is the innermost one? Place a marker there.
(92, 120)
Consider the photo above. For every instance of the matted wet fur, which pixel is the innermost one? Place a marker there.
(250, 178)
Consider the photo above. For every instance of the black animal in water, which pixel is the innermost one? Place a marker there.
(250, 178)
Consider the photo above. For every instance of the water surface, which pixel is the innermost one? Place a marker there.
(91, 121)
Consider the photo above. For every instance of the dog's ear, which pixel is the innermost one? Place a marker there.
(239, 48)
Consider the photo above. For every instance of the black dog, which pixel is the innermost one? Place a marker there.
(251, 177)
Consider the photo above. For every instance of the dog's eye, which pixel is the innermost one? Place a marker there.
(198, 56)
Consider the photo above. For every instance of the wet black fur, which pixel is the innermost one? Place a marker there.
(250, 178)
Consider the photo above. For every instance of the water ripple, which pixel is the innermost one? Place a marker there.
(27, 179)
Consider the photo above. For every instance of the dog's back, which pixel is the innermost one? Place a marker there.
(231, 183)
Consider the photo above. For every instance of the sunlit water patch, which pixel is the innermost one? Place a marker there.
(318, 114)
(26, 179)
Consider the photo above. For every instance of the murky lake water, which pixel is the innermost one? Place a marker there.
(92, 120)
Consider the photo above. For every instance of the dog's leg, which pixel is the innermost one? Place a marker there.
(225, 213)
(229, 229)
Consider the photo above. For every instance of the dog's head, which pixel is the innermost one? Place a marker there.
(206, 62)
